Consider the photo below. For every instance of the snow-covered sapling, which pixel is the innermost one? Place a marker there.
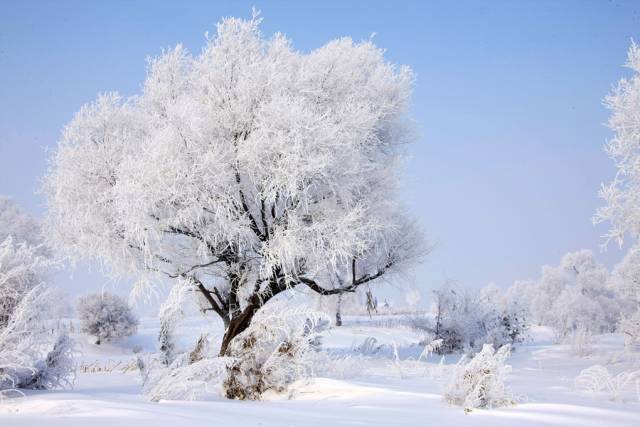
(106, 317)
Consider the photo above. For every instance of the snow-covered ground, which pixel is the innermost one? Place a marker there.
(366, 391)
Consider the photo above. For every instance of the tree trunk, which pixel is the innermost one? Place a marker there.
(237, 325)
(338, 310)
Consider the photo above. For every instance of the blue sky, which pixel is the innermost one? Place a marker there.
(507, 103)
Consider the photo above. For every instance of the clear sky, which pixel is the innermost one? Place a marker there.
(508, 105)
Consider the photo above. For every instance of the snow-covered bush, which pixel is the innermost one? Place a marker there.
(271, 354)
(503, 320)
(171, 312)
(465, 321)
(29, 357)
(368, 347)
(106, 316)
(184, 381)
(597, 379)
(57, 368)
(480, 382)
(277, 349)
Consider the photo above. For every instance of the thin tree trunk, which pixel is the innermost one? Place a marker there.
(338, 311)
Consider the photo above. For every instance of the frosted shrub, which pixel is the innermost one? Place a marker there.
(106, 317)
(57, 368)
(29, 357)
(430, 348)
(368, 347)
(184, 381)
(170, 315)
(271, 354)
(597, 379)
(465, 322)
(480, 383)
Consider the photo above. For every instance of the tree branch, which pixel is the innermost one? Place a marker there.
(352, 287)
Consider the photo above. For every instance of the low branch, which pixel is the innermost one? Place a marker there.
(322, 291)
(209, 298)
(184, 273)
(352, 287)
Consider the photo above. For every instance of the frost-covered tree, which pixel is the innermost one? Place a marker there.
(247, 170)
(575, 296)
(20, 226)
(106, 317)
(625, 279)
(622, 195)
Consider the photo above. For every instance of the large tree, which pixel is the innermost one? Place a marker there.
(245, 171)
(622, 195)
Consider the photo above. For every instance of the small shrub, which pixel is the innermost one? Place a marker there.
(597, 379)
(181, 380)
(106, 317)
(29, 358)
(56, 369)
(480, 383)
(464, 322)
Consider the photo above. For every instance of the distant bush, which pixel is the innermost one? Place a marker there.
(464, 322)
(597, 379)
(106, 317)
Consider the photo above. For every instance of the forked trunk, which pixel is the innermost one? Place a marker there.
(237, 325)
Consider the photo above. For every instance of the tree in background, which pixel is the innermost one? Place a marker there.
(246, 171)
(17, 224)
(106, 316)
(572, 297)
